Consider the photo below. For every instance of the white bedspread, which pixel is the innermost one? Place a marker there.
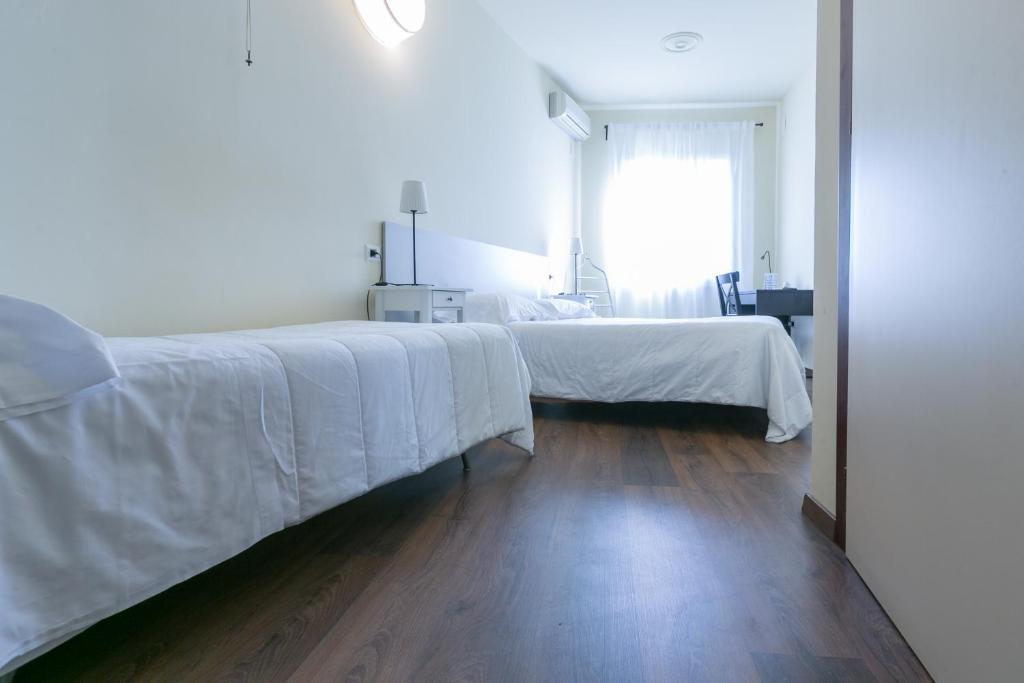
(213, 442)
(745, 361)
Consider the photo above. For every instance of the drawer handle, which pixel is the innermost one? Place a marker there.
(451, 299)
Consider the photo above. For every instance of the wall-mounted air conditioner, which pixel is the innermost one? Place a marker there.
(568, 115)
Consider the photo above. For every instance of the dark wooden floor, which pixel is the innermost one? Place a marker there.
(656, 543)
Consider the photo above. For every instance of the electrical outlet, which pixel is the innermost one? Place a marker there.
(372, 252)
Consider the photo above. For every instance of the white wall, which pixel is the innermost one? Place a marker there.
(794, 260)
(596, 171)
(936, 450)
(826, 228)
(150, 182)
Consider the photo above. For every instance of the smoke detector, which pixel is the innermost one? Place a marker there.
(684, 41)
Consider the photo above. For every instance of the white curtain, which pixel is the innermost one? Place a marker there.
(678, 211)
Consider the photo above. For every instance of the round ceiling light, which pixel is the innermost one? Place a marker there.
(391, 21)
(684, 41)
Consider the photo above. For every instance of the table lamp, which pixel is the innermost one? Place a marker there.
(575, 248)
(414, 201)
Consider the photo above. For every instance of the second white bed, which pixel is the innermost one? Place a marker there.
(744, 361)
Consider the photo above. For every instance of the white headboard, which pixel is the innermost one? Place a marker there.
(448, 261)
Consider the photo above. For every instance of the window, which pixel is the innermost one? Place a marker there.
(677, 212)
(669, 223)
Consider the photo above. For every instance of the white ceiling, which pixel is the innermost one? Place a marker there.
(609, 51)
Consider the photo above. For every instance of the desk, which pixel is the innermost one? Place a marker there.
(780, 303)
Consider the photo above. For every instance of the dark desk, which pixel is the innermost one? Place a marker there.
(780, 303)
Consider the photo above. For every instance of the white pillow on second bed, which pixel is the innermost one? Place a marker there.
(568, 309)
(501, 309)
(47, 360)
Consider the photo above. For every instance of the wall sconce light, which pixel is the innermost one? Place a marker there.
(391, 21)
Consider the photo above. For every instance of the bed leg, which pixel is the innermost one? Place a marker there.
(465, 463)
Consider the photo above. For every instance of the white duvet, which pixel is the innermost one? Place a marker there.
(212, 442)
(745, 361)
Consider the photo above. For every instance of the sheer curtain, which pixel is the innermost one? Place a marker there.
(678, 211)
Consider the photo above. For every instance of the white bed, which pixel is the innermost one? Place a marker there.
(209, 443)
(743, 361)
(572, 355)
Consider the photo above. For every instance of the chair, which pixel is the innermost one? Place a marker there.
(729, 295)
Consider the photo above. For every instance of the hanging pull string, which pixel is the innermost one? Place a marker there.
(248, 32)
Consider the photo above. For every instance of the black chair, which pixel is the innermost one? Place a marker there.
(729, 295)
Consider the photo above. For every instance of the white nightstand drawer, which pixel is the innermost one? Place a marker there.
(448, 299)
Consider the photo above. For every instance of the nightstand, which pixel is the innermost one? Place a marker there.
(417, 303)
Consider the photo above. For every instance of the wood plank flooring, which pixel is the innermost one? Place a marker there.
(643, 543)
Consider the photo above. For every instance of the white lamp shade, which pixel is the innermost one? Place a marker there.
(576, 246)
(414, 197)
(391, 21)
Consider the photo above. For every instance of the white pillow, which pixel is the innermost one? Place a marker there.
(499, 309)
(47, 360)
(483, 308)
(567, 309)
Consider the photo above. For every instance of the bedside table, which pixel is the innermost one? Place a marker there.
(419, 300)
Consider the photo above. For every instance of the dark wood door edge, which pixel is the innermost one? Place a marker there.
(843, 257)
(819, 516)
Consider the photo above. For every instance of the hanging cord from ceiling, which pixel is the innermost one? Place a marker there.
(248, 32)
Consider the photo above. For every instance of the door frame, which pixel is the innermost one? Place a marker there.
(843, 261)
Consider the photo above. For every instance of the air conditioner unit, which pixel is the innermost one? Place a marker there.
(568, 115)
